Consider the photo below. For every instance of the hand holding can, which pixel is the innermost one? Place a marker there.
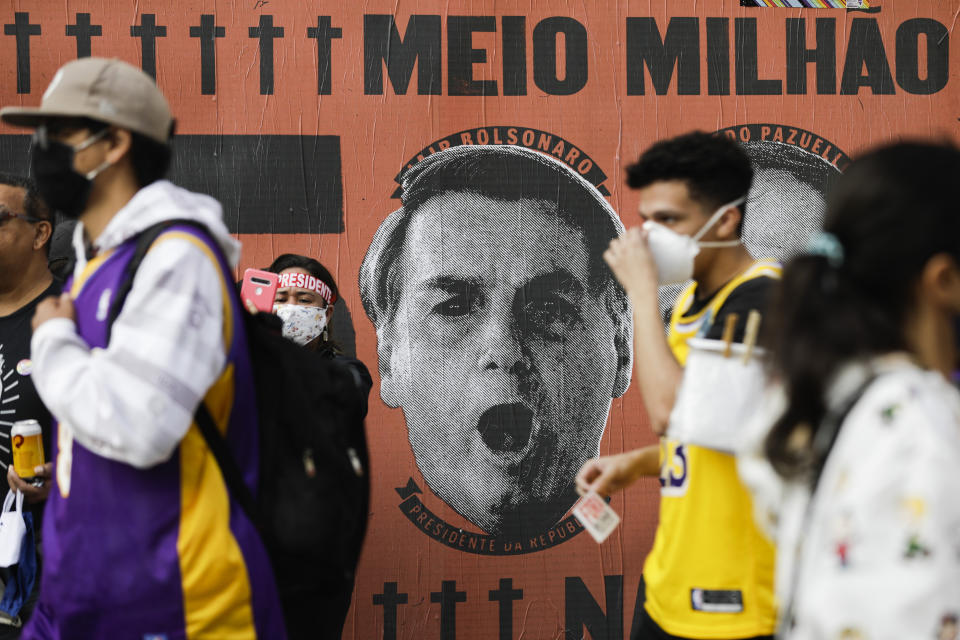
(26, 439)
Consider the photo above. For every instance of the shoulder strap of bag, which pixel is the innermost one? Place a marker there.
(145, 240)
(829, 430)
(823, 442)
(205, 423)
(228, 465)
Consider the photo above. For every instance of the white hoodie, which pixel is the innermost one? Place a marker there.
(134, 401)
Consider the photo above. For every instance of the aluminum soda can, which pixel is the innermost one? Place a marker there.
(27, 441)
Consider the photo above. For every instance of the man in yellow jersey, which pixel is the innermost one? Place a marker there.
(710, 573)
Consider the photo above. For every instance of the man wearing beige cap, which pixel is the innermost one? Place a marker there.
(141, 538)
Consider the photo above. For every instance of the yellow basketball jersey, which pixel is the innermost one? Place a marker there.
(683, 326)
(710, 573)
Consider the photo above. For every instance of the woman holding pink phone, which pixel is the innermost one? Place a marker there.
(304, 300)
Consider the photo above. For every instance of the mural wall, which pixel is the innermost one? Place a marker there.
(459, 168)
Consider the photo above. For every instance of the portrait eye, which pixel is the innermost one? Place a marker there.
(551, 315)
(458, 304)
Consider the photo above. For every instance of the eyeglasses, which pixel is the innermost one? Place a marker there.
(6, 214)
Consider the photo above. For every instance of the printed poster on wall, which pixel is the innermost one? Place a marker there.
(459, 168)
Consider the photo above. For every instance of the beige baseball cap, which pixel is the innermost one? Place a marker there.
(106, 90)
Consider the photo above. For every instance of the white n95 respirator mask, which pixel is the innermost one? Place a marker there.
(674, 253)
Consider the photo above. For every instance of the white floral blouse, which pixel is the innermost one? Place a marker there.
(876, 554)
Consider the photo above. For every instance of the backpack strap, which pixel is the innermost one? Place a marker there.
(204, 421)
(145, 240)
(829, 430)
(823, 442)
(232, 477)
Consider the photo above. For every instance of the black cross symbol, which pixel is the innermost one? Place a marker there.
(208, 32)
(266, 32)
(22, 29)
(148, 31)
(389, 599)
(506, 595)
(83, 31)
(324, 33)
(448, 597)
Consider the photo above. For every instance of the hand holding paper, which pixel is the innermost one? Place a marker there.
(596, 516)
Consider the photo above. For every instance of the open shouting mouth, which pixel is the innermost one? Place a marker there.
(506, 428)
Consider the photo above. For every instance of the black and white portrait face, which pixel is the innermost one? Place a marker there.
(787, 200)
(504, 353)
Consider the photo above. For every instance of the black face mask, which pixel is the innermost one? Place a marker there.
(59, 184)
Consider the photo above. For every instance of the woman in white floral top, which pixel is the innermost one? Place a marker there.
(858, 477)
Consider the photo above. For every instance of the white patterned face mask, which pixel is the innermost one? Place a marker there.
(301, 324)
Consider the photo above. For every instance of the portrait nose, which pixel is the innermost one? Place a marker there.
(499, 347)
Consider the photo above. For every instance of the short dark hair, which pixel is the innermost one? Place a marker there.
(715, 169)
(150, 158)
(499, 172)
(33, 204)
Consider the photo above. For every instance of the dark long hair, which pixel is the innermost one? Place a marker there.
(317, 270)
(892, 210)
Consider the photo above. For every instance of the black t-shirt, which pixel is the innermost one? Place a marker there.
(18, 397)
(751, 295)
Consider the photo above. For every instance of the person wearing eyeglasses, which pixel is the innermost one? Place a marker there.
(26, 226)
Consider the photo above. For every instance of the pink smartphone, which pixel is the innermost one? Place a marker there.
(260, 287)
